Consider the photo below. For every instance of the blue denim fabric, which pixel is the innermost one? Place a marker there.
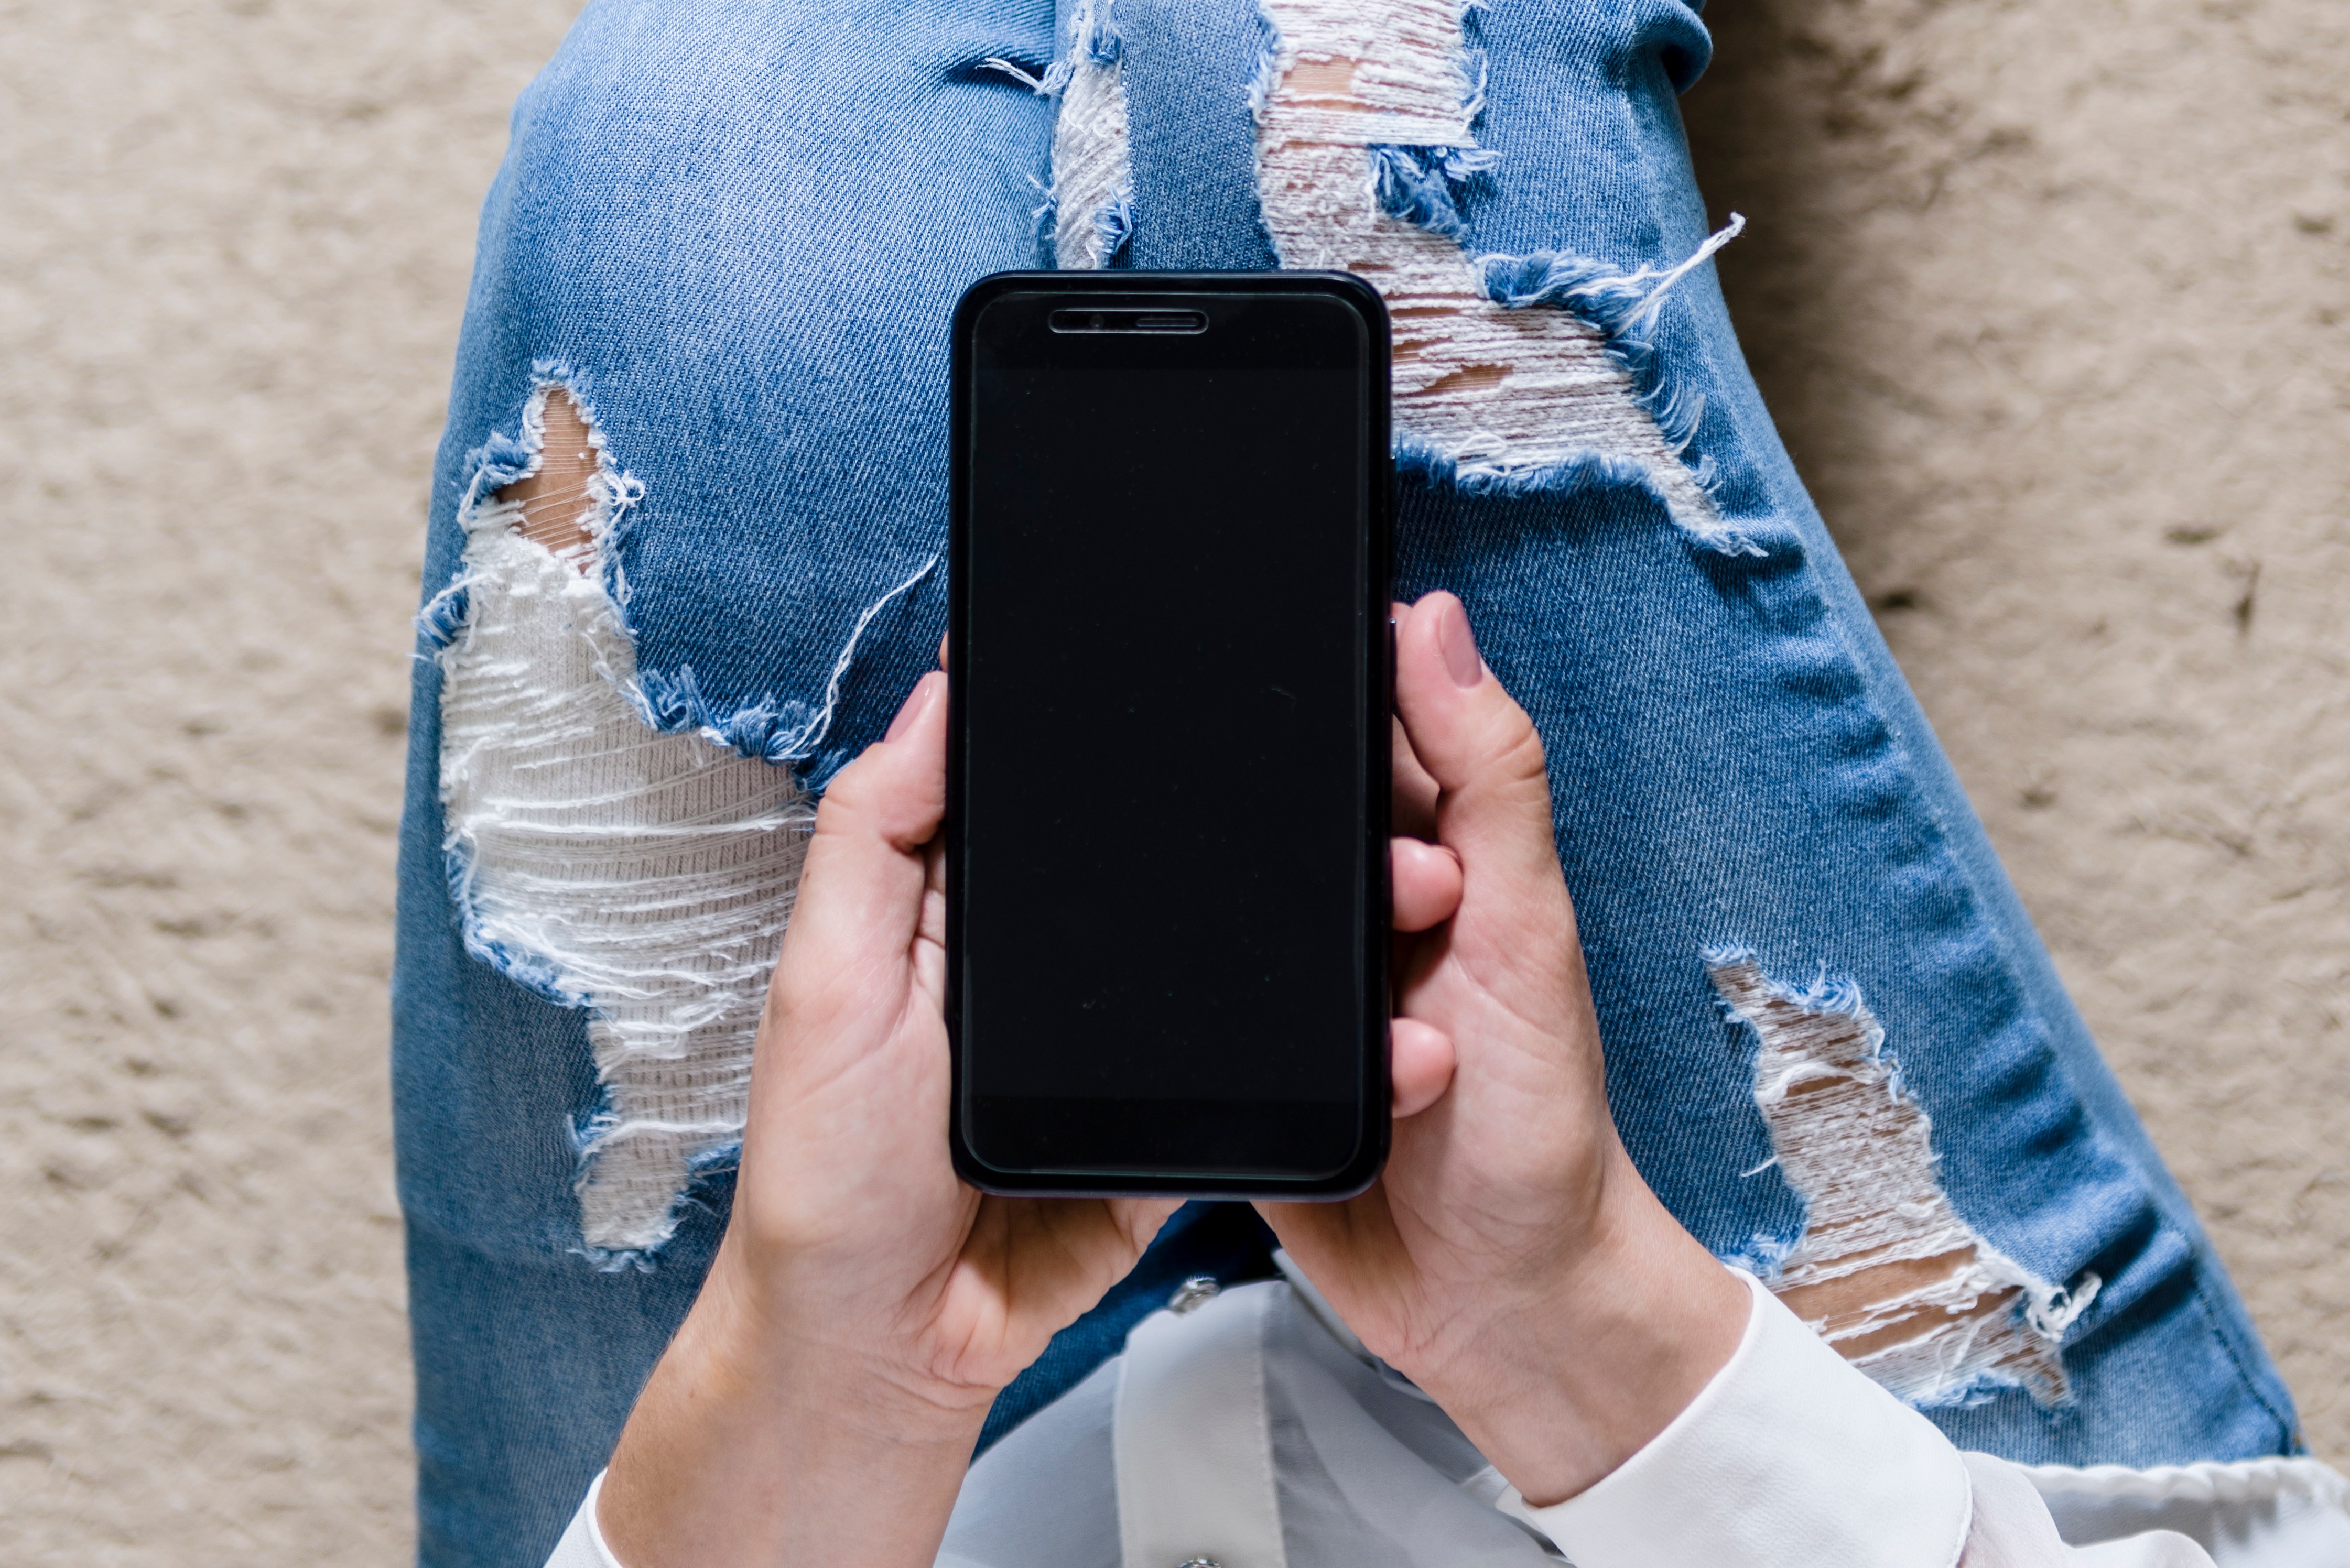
(737, 229)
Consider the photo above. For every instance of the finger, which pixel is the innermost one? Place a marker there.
(1142, 1218)
(1420, 1059)
(1330, 1239)
(930, 931)
(1426, 881)
(927, 690)
(897, 789)
(1056, 1256)
(1473, 739)
(1413, 791)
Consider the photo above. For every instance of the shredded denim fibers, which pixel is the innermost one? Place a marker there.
(1352, 98)
(1955, 1315)
(1090, 186)
(645, 877)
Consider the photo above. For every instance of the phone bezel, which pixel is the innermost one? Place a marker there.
(1146, 291)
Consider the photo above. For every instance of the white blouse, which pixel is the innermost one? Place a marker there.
(1249, 1430)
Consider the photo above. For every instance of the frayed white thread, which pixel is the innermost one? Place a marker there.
(1498, 391)
(1956, 1316)
(813, 732)
(1092, 196)
(1698, 258)
(1026, 79)
(1652, 283)
(645, 877)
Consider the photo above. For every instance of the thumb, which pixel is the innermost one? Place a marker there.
(1473, 739)
(864, 875)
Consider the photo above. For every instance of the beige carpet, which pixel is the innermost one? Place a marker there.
(2049, 295)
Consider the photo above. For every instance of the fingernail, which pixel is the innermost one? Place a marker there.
(1458, 645)
(917, 699)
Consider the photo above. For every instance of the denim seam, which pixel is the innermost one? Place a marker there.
(2288, 1425)
(2216, 1321)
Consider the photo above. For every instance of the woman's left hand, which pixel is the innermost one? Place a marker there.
(1511, 1259)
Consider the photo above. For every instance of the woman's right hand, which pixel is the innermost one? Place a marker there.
(821, 1401)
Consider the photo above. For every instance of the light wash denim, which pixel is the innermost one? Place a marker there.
(737, 229)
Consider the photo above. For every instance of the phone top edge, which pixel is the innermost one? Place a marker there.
(1355, 292)
(997, 285)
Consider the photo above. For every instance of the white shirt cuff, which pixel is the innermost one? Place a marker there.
(582, 1545)
(1788, 1459)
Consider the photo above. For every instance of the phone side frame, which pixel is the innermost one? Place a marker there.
(1377, 667)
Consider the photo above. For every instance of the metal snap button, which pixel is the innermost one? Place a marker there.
(1188, 1297)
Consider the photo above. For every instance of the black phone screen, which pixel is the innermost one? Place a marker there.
(1166, 827)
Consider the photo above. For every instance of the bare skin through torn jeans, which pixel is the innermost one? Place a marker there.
(685, 561)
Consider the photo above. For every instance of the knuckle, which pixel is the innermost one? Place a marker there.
(839, 810)
(1520, 757)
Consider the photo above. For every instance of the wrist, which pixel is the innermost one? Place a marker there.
(1581, 1370)
(760, 1325)
(758, 1439)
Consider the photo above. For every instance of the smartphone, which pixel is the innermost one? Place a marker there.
(1168, 668)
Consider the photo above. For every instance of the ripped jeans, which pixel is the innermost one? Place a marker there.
(685, 558)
